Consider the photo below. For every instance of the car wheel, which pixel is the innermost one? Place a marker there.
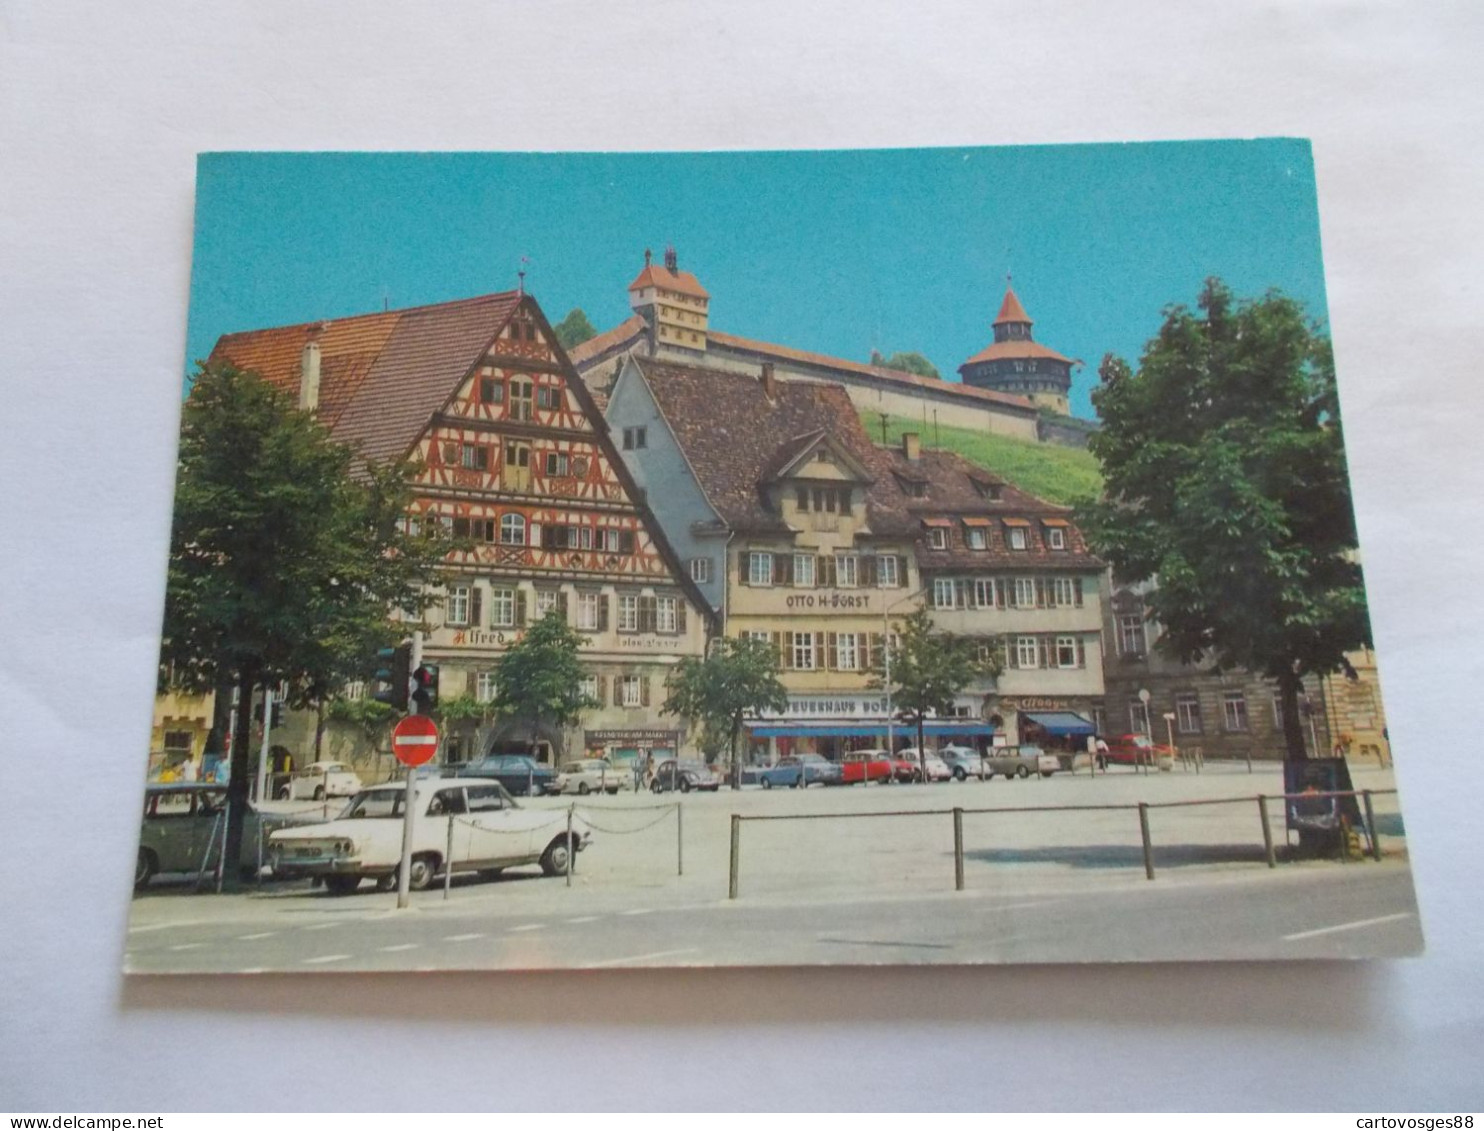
(767, 783)
(420, 875)
(917, 775)
(319, 793)
(554, 859)
(1022, 772)
(960, 774)
(613, 791)
(656, 787)
(283, 793)
(685, 785)
(342, 885)
(145, 867)
(583, 788)
(386, 883)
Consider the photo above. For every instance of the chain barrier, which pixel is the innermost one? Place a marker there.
(668, 810)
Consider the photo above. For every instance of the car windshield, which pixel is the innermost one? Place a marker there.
(376, 803)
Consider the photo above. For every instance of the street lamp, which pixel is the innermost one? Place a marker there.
(886, 671)
(1169, 717)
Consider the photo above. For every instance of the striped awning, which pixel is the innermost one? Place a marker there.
(1055, 522)
(1016, 521)
(975, 520)
(937, 522)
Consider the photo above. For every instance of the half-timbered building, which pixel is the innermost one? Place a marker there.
(515, 458)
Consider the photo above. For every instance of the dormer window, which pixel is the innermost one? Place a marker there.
(938, 538)
(1017, 538)
(1056, 538)
(975, 538)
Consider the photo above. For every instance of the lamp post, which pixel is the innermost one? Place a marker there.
(886, 670)
(1169, 717)
(1148, 728)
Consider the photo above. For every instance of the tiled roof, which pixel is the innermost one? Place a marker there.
(655, 275)
(728, 429)
(1011, 310)
(1012, 350)
(622, 334)
(952, 493)
(897, 376)
(382, 375)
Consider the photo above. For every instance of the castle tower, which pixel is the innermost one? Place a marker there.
(674, 304)
(1016, 363)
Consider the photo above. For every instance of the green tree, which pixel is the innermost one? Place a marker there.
(574, 329)
(906, 363)
(737, 677)
(286, 557)
(925, 670)
(540, 678)
(1224, 464)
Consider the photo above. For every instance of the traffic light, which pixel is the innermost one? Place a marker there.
(425, 689)
(392, 675)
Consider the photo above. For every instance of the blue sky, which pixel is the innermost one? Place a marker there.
(836, 252)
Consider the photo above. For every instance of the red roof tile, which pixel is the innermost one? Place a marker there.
(625, 332)
(1013, 350)
(654, 275)
(1011, 310)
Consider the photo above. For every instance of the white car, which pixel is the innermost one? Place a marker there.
(592, 775)
(933, 767)
(320, 780)
(490, 833)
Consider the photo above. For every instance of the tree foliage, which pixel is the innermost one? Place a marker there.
(737, 677)
(539, 679)
(287, 556)
(1224, 466)
(928, 669)
(906, 362)
(574, 329)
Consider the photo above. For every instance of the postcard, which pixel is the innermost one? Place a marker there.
(596, 560)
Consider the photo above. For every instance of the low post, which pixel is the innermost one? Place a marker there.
(1370, 826)
(1148, 847)
(409, 816)
(1267, 832)
(259, 876)
(448, 859)
(736, 856)
(570, 851)
(958, 848)
(1249, 759)
(679, 840)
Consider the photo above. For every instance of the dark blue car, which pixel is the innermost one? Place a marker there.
(520, 774)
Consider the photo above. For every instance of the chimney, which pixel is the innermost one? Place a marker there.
(309, 374)
(672, 265)
(911, 446)
(770, 383)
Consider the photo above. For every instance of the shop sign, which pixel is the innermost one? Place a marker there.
(827, 706)
(631, 737)
(1035, 703)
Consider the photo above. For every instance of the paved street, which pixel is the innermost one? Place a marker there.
(1040, 886)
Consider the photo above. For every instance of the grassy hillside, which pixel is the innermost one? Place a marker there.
(1056, 474)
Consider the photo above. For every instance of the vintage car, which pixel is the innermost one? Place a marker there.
(867, 766)
(490, 832)
(805, 769)
(1020, 762)
(685, 775)
(181, 830)
(520, 774)
(1132, 750)
(963, 762)
(320, 780)
(592, 775)
(930, 764)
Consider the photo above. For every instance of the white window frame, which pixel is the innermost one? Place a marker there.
(1025, 593)
(502, 607)
(700, 570)
(1017, 539)
(1070, 644)
(628, 612)
(847, 571)
(1138, 717)
(1063, 591)
(1188, 713)
(1128, 624)
(847, 652)
(803, 656)
(546, 601)
(588, 685)
(1027, 652)
(804, 573)
(456, 607)
(886, 565)
(944, 593)
(937, 538)
(976, 538)
(512, 529)
(760, 577)
(1056, 538)
(984, 592)
(1234, 713)
(589, 602)
(666, 619)
(631, 690)
(484, 686)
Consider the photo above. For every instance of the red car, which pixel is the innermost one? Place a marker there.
(867, 766)
(1132, 750)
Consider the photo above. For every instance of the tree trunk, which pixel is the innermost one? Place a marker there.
(237, 783)
(921, 753)
(1289, 687)
(319, 726)
(736, 771)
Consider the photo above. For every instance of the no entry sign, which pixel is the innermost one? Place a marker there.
(415, 740)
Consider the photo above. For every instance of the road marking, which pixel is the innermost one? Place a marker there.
(644, 957)
(259, 935)
(188, 946)
(529, 927)
(325, 958)
(636, 911)
(464, 938)
(585, 919)
(1348, 926)
(166, 926)
(321, 926)
(254, 970)
(400, 946)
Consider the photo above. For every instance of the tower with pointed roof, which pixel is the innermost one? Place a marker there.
(1016, 363)
(675, 306)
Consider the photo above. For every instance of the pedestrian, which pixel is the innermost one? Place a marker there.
(188, 770)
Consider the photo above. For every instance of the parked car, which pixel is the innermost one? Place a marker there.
(963, 762)
(520, 774)
(867, 766)
(794, 769)
(935, 768)
(1132, 750)
(182, 821)
(320, 780)
(491, 832)
(685, 775)
(1021, 762)
(592, 775)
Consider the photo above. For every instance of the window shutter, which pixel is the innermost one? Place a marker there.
(1077, 592)
(476, 603)
(471, 683)
(819, 650)
(602, 689)
(832, 651)
(644, 691)
(618, 690)
(778, 647)
(1041, 601)
(788, 650)
(780, 569)
(548, 537)
(824, 571)
(868, 571)
(1046, 646)
(520, 608)
(602, 612)
(680, 616)
(1081, 653)
(534, 533)
(625, 541)
(562, 605)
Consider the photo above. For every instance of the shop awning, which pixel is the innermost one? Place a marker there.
(1060, 723)
(1055, 522)
(1016, 521)
(977, 520)
(937, 522)
(965, 729)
